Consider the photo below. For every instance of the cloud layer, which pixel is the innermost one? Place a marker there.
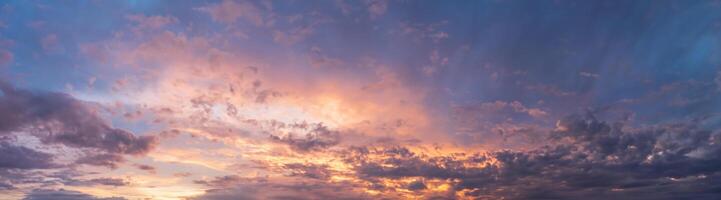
(373, 99)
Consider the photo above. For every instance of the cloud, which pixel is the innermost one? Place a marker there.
(20, 157)
(230, 11)
(61, 194)
(222, 181)
(318, 59)
(6, 186)
(282, 188)
(6, 57)
(420, 32)
(584, 157)
(308, 170)
(57, 118)
(506, 109)
(150, 23)
(499, 124)
(292, 36)
(147, 168)
(417, 185)
(589, 75)
(97, 181)
(376, 8)
(436, 63)
(344, 7)
(549, 90)
(107, 160)
(50, 43)
(400, 162)
(317, 137)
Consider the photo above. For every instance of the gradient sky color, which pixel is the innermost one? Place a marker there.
(367, 99)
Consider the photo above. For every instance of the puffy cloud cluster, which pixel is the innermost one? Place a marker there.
(58, 118)
(20, 157)
(584, 158)
(59, 121)
(587, 158)
(317, 137)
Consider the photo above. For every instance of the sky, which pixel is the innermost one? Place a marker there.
(366, 99)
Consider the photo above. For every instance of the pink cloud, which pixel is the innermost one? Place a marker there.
(6, 57)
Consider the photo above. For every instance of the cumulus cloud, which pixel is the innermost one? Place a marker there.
(20, 157)
(57, 118)
(316, 137)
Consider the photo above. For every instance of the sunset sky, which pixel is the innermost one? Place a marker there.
(362, 99)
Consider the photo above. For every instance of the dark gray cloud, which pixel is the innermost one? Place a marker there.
(61, 194)
(20, 157)
(97, 181)
(11, 178)
(147, 168)
(370, 163)
(39, 179)
(107, 160)
(57, 118)
(586, 158)
(316, 137)
(416, 185)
